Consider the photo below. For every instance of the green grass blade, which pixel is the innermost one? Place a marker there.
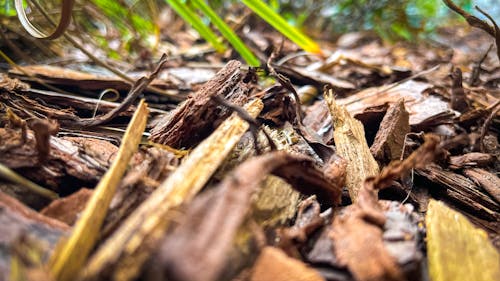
(228, 33)
(192, 18)
(274, 19)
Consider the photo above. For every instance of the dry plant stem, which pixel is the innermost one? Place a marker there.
(476, 71)
(492, 30)
(14, 177)
(123, 254)
(136, 90)
(103, 63)
(456, 249)
(350, 141)
(68, 259)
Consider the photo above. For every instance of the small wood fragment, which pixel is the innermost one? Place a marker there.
(124, 253)
(456, 249)
(68, 259)
(349, 136)
(390, 138)
(274, 265)
(68, 208)
(489, 181)
(196, 118)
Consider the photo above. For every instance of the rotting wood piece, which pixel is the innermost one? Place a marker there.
(197, 249)
(66, 160)
(456, 249)
(390, 138)
(351, 145)
(196, 118)
(122, 255)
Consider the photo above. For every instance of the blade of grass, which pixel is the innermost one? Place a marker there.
(68, 258)
(192, 18)
(228, 33)
(278, 22)
(14, 177)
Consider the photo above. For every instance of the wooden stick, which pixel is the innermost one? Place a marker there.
(68, 259)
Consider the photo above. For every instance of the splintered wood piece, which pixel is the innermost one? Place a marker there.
(456, 249)
(274, 265)
(194, 119)
(350, 141)
(68, 259)
(124, 253)
(390, 137)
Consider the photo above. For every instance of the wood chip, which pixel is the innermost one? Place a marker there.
(390, 137)
(68, 208)
(456, 249)
(274, 265)
(349, 136)
(124, 253)
(68, 259)
(196, 118)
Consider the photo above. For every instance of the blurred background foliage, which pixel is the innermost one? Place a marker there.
(127, 26)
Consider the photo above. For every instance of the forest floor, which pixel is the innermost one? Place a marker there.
(309, 168)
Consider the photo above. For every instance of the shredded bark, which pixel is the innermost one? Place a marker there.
(194, 119)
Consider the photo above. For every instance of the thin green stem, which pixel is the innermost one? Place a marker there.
(278, 22)
(228, 33)
(192, 18)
